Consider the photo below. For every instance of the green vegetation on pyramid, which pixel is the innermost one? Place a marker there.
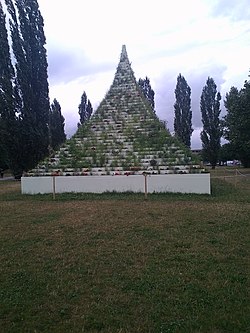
(124, 136)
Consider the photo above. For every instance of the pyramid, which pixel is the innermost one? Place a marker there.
(123, 136)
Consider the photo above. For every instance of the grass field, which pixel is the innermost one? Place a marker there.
(120, 263)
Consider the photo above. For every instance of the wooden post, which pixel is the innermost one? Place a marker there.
(235, 178)
(145, 186)
(54, 187)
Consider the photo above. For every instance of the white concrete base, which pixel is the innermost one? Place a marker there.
(186, 183)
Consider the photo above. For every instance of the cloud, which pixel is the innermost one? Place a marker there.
(69, 95)
(197, 38)
(67, 65)
(195, 66)
(235, 10)
(195, 139)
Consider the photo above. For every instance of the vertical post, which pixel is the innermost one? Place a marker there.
(145, 186)
(54, 187)
(235, 179)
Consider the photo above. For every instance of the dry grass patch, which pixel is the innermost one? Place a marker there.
(7, 187)
(237, 176)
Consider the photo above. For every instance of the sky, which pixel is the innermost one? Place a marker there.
(195, 38)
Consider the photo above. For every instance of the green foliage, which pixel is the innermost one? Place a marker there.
(3, 156)
(227, 153)
(30, 135)
(85, 109)
(9, 133)
(56, 125)
(210, 111)
(148, 92)
(237, 122)
(183, 114)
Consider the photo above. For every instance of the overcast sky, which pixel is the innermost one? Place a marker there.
(197, 38)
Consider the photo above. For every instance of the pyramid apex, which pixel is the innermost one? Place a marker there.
(124, 48)
(124, 54)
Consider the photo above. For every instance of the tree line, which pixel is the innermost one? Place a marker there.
(234, 126)
(31, 127)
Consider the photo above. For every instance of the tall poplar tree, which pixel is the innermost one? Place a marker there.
(85, 109)
(237, 122)
(56, 125)
(183, 113)
(147, 91)
(9, 133)
(210, 112)
(31, 81)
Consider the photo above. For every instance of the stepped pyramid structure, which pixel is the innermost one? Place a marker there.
(124, 136)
